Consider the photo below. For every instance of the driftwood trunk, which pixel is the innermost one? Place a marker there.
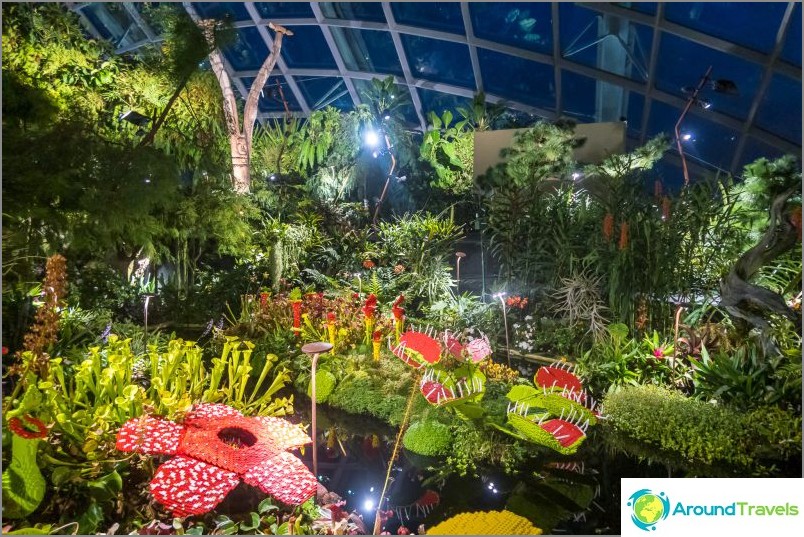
(240, 138)
(750, 302)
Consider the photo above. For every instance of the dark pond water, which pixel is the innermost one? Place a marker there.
(355, 466)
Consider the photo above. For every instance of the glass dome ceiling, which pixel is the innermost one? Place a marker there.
(627, 61)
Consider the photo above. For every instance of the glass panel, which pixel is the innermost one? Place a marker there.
(755, 149)
(438, 60)
(307, 49)
(625, 47)
(359, 11)
(271, 97)
(516, 119)
(151, 13)
(114, 23)
(445, 16)
(709, 143)
(670, 174)
(284, 9)
(751, 24)
(780, 111)
(518, 79)
(367, 50)
(439, 102)
(221, 10)
(525, 25)
(792, 45)
(682, 63)
(633, 119)
(406, 113)
(247, 51)
(643, 7)
(325, 91)
(579, 96)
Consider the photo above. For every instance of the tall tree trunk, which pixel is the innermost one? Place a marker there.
(240, 139)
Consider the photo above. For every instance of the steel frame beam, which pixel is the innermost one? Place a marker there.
(772, 63)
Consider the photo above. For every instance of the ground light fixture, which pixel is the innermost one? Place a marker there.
(314, 350)
(458, 256)
(501, 296)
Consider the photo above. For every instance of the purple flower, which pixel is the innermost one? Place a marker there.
(208, 328)
(106, 331)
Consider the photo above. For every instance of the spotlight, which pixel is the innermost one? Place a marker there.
(704, 103)
(272, 177)
(368, 504)
(387, 117)
(375, 154)
(686, 137)
(371, 138)
(576, 176)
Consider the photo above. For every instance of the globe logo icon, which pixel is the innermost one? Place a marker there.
(648, 508)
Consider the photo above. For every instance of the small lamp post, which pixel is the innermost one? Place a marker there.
(459, 256)
(501, 296)
(148, 298)
(314, 350)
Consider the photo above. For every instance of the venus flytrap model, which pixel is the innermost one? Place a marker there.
(556, 413)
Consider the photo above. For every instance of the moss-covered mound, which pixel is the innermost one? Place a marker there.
(324, 386)
(429, 438)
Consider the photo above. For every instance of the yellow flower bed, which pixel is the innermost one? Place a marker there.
(485, 523)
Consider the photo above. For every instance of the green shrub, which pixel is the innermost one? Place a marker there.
(324, 384)
(698, 434)
(429, 438)
(360, 394)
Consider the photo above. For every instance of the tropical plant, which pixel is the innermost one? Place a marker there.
(449, 149)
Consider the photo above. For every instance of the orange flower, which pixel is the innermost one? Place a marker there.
(665, 209)
(623, 236)
(608, 226)
(368, 264)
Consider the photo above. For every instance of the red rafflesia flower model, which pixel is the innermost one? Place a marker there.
(216, 447)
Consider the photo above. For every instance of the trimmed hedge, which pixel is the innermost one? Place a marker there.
(699, 433)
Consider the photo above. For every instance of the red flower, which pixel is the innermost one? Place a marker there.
(608, 226)
(377, 336)
(17, 427)
(368, 264)
(330, 317)
(397, 309)
(5, 350)
(297, 306)
(263, 300)
(370, 306)
(623, 244)
(658, 352)
(216, 447)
